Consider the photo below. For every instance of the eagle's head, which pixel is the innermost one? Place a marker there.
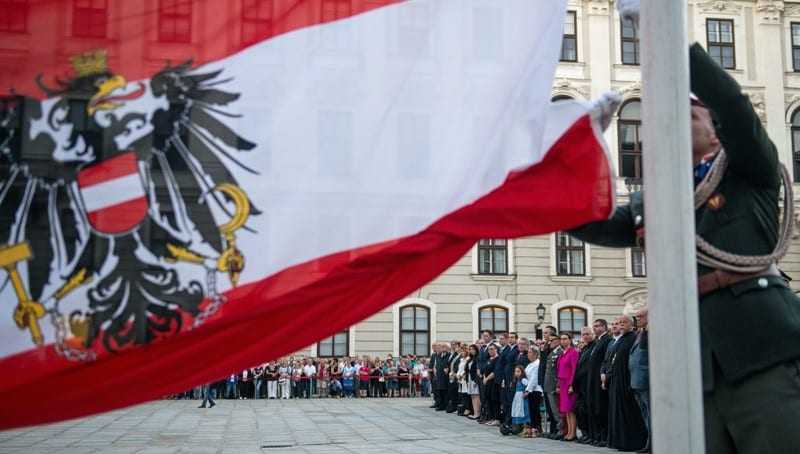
(96, 116)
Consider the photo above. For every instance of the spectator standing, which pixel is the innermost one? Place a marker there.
(626, 429)
(492, 387)
(230, 387)
(567, 364)
(208, 398)
(271, 376)
(580, 384)
(549, 387)
(258, 379)
(323, 377)
(472, 377)
(534, 390)
(403, 378)
(520, 415)
(596, 394)
(640, 373)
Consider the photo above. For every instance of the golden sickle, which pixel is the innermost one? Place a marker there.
(232, 259)
(242, 207)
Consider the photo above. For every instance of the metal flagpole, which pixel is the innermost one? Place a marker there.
(675, 382)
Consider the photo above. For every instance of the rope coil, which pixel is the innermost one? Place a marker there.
(713, 257)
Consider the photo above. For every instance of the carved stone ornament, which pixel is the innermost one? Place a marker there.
(770, 11)
(600, 7)
(792, 11)
(757, 100)
(633, 90)
(565, 87)
(634, 300)
(720, 6)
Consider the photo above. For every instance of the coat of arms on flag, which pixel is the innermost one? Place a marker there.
(132, 188)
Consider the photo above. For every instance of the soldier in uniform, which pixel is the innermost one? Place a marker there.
(751, 386)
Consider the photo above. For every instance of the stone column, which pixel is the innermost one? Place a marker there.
(770, 67)
(598, 41)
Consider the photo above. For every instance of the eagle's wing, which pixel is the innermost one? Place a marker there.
(194, 150)
(38, 204)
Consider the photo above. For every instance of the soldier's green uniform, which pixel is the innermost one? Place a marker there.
(750, 331)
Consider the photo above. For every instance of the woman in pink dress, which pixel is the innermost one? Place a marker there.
(567, 363)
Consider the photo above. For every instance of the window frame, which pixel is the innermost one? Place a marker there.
(634, 272)
(90, 10)
(175, 16)
(572, 310)
(333, 345)
(491, 248)
(19, 8)
(794, 129)
(574, 36)
(795, 46)
(721, 44)
(637, 152)
(634, 41)
(494, 308)
(569, 249)
(414, 331)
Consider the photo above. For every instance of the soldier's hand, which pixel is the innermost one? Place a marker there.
(629, 9)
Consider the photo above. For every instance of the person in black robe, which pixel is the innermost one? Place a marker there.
(626, 428)
(596, 395)
(580, 383)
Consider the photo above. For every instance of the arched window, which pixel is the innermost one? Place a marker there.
(415, 330)
(335, 346)
(570, 320)
(630, 143)
(494, 318)
(796, 144)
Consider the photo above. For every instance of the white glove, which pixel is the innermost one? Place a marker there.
(629, 9)
(604, 108)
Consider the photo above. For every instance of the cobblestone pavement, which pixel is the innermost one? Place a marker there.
(375, 426)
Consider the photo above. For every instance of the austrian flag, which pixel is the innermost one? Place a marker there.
(180, 199)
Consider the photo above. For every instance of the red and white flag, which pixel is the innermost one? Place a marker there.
(278, 171)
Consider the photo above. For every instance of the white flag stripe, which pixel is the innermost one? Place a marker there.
(365, 132)
(112, 192)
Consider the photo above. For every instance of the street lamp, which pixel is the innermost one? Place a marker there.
(540, 312)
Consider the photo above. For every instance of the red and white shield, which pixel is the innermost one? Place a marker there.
(113, 194)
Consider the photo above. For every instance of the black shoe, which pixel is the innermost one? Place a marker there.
(450, 411)
(440, 409)
(558, 437)
(432, 406)
(212, 405)
(602, 444)
(646, 449)
(202, 406)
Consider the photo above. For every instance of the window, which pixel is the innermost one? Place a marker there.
(571, 320)
(336, 346)
(569, 44)
(335, 9)
(796, 46)
(494, 318)
(796, 144)
(630, 144)
(492, 257)
(175, 21)
(14, 16)
(570, 255)
(638, 264)
(415, 331)
(257, 16)
(89, 18)
(630, 43)
(721, 47)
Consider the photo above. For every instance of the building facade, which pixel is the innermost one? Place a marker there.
(521, 285)
(505, 285)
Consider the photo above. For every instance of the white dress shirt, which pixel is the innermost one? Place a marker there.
(532, 374)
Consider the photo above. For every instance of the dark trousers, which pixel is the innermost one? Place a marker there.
(440, 397)
(552, 421)
(756, 415)
(582, 415)
(508, 399)
(642, 397)
(492, 393)
(534, 408)
(452, 397)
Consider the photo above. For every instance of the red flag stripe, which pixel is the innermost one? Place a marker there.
(130, 36)
(261, 320)
(118, 166)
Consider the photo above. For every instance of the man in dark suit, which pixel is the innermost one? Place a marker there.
(596, 395)
(483, 358)
(452, 382)
(581, 382)
(508, 354)
(442, 376)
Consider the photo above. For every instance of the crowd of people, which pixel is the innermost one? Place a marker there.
(595, 392)
(295, 378)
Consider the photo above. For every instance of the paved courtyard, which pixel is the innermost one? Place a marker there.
(374, 426)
